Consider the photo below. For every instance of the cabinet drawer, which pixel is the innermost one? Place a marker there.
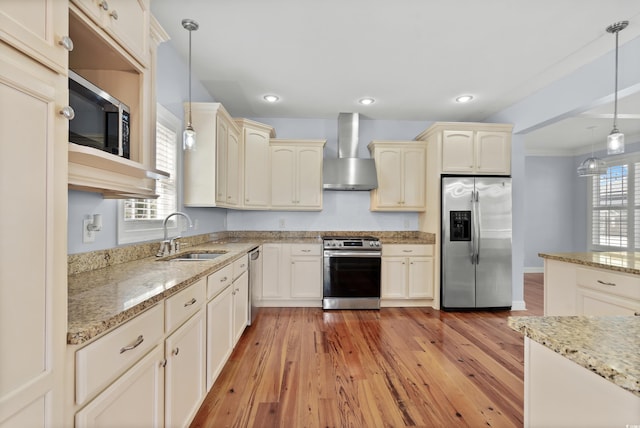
(306, 249)
(240, 266)
(609, 282)
(218, 281)
(407, 250)
(180, 307)
(102, 361)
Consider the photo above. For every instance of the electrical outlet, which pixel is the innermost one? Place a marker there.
(88, 236)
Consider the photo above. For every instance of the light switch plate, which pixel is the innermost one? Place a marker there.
(88, 236)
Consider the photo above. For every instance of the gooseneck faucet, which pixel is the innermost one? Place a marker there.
(168, 247)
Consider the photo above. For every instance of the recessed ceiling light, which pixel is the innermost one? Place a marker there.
(271, 98)
(464, 98)
(367, 101)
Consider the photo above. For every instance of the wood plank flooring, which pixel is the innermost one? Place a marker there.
(397, 367)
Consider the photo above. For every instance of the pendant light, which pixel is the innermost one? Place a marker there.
(189, 134)
(615, 140)
(592, 165)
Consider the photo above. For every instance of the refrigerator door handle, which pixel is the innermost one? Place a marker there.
(477, 232)
(473, 227)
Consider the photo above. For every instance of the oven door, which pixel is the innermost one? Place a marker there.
(351, 274)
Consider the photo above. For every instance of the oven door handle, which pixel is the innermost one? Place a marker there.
(363, 254)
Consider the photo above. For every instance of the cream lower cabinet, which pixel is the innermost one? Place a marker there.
(219, 333)
(185, 376)
(228, 165)
(401, 169)
(407, 274)
(33, 284)
(571, 289)
(240, 305)
(296, 174)
(135, 400)
(291, 275)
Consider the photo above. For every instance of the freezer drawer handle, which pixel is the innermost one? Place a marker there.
(134, 345)
(613, 284)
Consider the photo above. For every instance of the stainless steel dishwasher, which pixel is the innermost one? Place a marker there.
(255, 281)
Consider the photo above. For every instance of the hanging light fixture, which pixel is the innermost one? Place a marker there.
(615, 140)
(189, 134)
(592, 165)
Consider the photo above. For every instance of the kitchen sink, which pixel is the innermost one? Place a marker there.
(194, 257)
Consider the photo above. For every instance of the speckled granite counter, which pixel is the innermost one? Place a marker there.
(608, 346)
(620, 261)
(108, 287)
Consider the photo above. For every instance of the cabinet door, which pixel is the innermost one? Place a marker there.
(306, 277)
(389, 169)
(413, 178)
(35, 27)
(271, 278)
(185, 371)
(222, 133)
(240, 305)
(594, 303)
(283, 176)
(128, 22)
(135, 400)
(309, 177)
(393, 277)
(257, 171)
(33, 267)
(420, 278)
(219, 333)
(457, 151)
(493, 152)
(233, 167)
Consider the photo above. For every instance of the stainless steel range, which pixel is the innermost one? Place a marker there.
(351, 275)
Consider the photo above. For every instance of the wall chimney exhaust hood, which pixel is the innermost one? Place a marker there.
(348, 171)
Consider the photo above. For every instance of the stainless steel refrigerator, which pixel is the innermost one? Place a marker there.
(476, 243)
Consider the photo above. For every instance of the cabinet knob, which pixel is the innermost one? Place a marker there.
(67, 112)
(175, 351)
(66, 42)
(114, 15)
(104, 5)
(223, 279)
(163, 363)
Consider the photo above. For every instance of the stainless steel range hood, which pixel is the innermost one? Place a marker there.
(348, 171)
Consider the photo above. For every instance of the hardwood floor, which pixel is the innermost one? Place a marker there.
(303, 367)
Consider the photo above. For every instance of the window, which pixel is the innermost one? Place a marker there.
(615, 206)
(141, 219)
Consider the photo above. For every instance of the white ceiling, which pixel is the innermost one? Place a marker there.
(413, 56)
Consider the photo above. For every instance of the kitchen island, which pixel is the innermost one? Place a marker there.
(591, 283)
(581, 370)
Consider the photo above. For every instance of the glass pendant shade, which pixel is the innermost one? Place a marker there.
(615, 142)
(592, 166)
(189, 139)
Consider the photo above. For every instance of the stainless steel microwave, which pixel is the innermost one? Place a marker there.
(100, 120)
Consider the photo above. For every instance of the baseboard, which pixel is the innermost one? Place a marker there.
(518, 305)
(533, 269)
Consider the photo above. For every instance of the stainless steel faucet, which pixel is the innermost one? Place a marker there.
(168, 247)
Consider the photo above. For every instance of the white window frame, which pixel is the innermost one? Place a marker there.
(633, 202)
(149, 230)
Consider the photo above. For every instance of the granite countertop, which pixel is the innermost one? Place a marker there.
(620, 261)
(105, 289)
(101, 299)
(605, 345)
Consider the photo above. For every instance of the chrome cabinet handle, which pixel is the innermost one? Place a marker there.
(190, 302)
(163, 363)
(67, 112)
(612, 284)
(175, 351)
(134, 345)
(407, 251)
(104, 5)
(66, 42)
(114, 15)
(306, 251)
(223, 279)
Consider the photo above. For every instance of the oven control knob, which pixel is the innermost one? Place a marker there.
(377, 243)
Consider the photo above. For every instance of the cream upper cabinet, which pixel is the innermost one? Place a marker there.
(476, 152)
(257, 163)
(296, 174)
(228, 164)
(39, 29)
(33, 284)
(127, 21)
(406, 274)
(401, 170)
